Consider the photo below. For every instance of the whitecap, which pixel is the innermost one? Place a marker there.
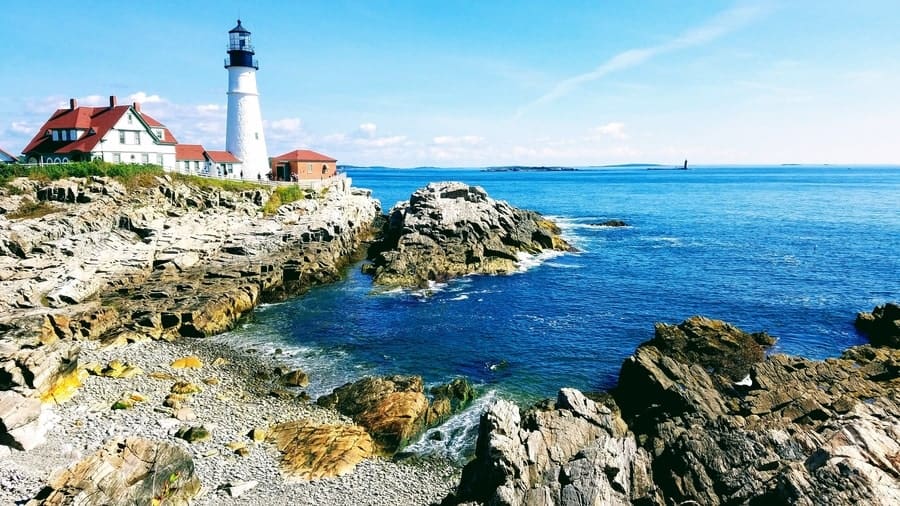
(463, 296)
(455, 438)
(527, 261)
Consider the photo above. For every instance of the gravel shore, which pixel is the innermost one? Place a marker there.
(235, 399)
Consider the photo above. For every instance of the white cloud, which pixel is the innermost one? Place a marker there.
(143, 98)
(368, 129)
(615, 130)
(284, 124)
(381, 142)
(448, 140)
(209, 108)
(23, 128)
(722, 24)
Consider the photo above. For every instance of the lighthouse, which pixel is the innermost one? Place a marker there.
(244, 131)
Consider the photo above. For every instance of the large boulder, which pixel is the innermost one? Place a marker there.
(882, 325)
(718, 422)
(125, 471)
(572, 451)
(452, 229)
(314, 451)
(395, 409)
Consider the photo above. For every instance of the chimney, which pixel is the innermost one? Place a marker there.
(137, 106)
(113, 101)
(73, 104)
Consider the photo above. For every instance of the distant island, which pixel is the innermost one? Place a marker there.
(519, 168)
(624, 165)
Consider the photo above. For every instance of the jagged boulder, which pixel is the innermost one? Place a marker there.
(718, 422)
(126, 471)
(882, 325)
(571, 451)
(447, 230)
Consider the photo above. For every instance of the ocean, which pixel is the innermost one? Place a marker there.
(794, 251)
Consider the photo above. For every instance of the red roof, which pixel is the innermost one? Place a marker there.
(222, 157)
(189, 152)
(303, 155)
(96, 120)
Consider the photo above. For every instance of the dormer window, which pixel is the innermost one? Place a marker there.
(55, 135)
(73, 134)
(65, 135)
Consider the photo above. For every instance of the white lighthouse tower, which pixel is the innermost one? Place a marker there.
(244, 132)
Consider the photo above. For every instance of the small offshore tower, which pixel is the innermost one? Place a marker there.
(244, 136)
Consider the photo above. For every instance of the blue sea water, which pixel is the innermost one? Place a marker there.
(794, 251)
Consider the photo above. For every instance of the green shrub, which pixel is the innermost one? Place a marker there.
(283, 195)
(130, 175)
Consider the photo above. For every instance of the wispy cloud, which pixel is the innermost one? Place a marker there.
(723, 23)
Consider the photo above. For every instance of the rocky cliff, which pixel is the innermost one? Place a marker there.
(165, 261)
(702, 416)
(447, 230)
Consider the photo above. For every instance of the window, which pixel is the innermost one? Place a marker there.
(309, 168)
(129, 118)
(159, 160)
(121, 137)
(56, 135)
(256, 134)
(324, 169)
(73, 134)
(145, 158)
(117, 158)
(187, 166)
(137, 137)
(65, 135)
(196, 165)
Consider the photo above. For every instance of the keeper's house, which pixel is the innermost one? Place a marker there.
(6, 157)
(302, 164)
(113, 133)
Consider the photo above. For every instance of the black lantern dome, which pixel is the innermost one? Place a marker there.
(240, 50)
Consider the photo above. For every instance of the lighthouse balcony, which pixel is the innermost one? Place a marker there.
(241, 59)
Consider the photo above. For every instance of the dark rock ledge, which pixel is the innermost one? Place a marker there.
(702, 416)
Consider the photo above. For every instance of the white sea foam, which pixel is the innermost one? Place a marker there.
(527, 261)
(455, 438)
(463, 296)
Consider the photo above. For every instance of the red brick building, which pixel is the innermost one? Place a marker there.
(302, 164)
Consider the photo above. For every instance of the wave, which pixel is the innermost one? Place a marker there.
(454, 439)
(528, 261)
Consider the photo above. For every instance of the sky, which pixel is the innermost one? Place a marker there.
(475, 83)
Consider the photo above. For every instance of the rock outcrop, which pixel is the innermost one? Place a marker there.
(447, 230)
(167, 261)
(314, 451)
(395, 409)
(712, 421)
(126, 471)
(882, 325)
(572, 451)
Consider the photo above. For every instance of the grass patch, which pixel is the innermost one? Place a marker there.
(283, 195)
(222, 184)
(130, 175)
(31, 210)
